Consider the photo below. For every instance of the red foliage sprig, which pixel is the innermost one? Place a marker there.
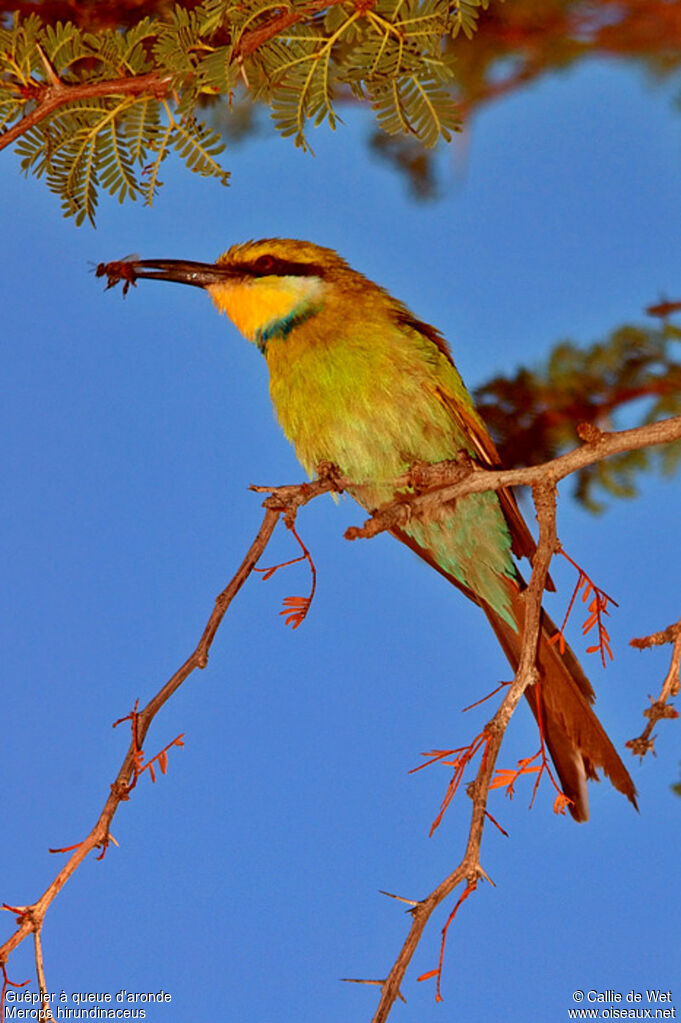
(295, 608)
(140, 766)
(485, 698)
(161, 759)
(598, 608)
(6, 982)
(506, 777)
(462, 757)
(470, 887)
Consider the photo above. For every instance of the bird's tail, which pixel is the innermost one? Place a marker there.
(561, 703)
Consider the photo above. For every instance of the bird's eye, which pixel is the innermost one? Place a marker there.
(264, 264)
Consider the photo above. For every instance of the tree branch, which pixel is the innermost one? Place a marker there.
(57, 94)
(659, 708)
(255, 37)
(470, 478)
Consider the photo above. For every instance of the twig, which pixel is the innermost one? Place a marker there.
(597, 609)
(255, 37)
(659, 708)
(7, 983)
(40, 970)
(663, 309)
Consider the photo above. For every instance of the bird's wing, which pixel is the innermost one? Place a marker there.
(472, 427)
(523, 544)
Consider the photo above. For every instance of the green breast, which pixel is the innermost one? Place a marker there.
(363, 395)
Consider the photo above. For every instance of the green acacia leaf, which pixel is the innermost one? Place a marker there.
(198, 146)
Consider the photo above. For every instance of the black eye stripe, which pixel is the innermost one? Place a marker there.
(272, 266)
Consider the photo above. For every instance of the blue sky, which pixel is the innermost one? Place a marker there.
(246, 882)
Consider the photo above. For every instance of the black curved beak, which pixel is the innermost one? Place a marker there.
(181, 271)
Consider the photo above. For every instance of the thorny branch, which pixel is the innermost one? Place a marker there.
(431, 485)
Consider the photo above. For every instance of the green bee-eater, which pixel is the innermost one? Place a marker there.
(358, 381)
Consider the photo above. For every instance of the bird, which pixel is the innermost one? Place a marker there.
(358, 381)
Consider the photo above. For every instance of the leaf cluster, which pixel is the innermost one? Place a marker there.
(103, 109)
(631, 378)
(110, 138)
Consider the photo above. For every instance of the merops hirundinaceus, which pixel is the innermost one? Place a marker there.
(358, 381)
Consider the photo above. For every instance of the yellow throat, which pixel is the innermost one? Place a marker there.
(268, 304)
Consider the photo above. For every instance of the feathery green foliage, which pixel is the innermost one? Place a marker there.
(631, 378)
(103, 110)
(418, 63)
(105, 139)
(465, 16)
